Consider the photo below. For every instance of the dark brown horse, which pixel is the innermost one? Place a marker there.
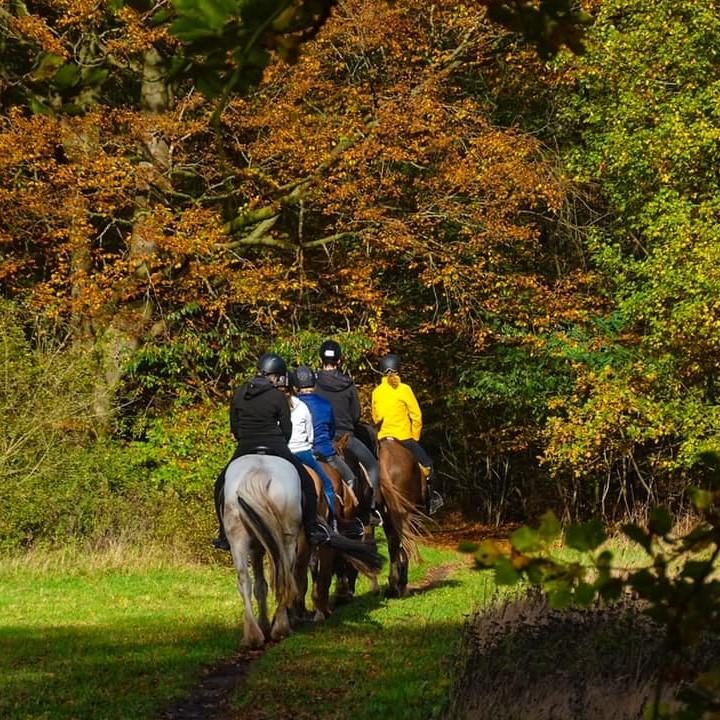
(328, 559)
(404, 494)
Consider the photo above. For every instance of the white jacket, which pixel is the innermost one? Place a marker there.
(302, 426)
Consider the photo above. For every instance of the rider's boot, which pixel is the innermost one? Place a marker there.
(353, 529)
(221, 541)
(316, 531)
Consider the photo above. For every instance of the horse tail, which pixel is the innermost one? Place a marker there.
(265, 522)
(410, 522)
(362, 555)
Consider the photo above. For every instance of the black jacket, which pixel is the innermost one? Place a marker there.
(340, 390)
(260, 415)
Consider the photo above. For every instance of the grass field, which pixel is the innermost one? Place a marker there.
(375, 658)
(85, 638)
(88, 642)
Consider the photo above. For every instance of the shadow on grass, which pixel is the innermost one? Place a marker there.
(103, 673)
(375, 657)
(435, 585)
(141, 665)
(353, 667)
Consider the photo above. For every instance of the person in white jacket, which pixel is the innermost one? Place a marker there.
(301, 442)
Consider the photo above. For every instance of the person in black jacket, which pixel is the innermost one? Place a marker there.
(340, 391)
(260, 418)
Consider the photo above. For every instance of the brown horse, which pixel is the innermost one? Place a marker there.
(404, 493)
(328, 558)
(357, 507)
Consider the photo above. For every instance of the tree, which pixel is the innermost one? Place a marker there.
(639, 132)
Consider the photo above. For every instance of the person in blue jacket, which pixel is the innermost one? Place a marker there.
(323, 418)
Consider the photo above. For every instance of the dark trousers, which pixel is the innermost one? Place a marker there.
(369, 461)
(307, 486)
(419, 452)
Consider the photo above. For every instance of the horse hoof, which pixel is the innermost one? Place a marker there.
(320, 616)
(254, 641)
(343, 599)
(279, 633)
(392, 592)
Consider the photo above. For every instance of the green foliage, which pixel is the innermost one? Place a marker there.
(61, 484)
(302, 348)
(185, 367)
(677, 587)
(642, 128)
(185, 451)
(548, 24)
(516, 382)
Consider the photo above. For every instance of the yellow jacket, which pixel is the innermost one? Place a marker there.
(398, 409)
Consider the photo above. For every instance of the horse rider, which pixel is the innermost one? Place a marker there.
(395, 406)
(303, 436)
(260, 422)
(339, 389)
(323, 420)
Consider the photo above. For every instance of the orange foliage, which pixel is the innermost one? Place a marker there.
(364, 186)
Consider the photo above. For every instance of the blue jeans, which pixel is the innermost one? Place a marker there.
(307, 458)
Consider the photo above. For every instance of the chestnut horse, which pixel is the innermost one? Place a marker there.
(404, 494)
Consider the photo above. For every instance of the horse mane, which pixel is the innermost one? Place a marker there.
(267, 524)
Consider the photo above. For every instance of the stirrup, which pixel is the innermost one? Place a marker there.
(353, 529)
(436, 502)
(375, 518)
(318, 534)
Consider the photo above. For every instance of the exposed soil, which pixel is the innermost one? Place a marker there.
(450, 528)
(209, 699)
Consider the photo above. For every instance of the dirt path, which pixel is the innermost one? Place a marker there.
(209, 699)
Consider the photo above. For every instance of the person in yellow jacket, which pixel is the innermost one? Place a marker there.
(395, 406)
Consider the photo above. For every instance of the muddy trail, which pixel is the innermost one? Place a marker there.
(210, 698)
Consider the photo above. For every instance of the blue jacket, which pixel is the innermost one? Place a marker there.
(323, 423)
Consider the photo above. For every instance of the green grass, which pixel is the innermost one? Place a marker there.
(374, 658)
(109, 643)
(85, 640)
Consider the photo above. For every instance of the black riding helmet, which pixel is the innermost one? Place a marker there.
(390, 363)
(303, 377)
(330, 352)
(271, 364)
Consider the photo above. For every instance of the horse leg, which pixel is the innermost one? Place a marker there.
(322, 581)
(281, 621)
(240, 548)
(403, 567)
(394, 550)
(302, 561)
(260, 589)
